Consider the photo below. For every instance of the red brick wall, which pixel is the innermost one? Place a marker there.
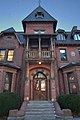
(12, 44)
(70, 58)
(48, 27)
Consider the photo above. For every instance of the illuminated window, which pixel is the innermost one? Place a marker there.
(8, 82)
(10, 55)
(72, 83)
(2, 55)
(43, 85)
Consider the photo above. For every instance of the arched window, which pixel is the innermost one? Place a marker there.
(39, 75)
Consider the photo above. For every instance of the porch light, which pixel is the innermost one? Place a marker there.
(74, 86)
(39, 62)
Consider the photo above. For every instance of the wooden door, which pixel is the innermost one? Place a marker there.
(40, 87)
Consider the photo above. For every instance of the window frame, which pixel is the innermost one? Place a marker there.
(61, 36)
(9, 55)
(76, 36)
(72, 82)
(4, 54)
(62, 56)
(8, 82)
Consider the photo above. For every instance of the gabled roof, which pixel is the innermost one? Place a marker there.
(9, 30)
(33, 17)
(20, 37)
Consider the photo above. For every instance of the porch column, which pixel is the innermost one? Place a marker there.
(53, 84)
(52, 49)
(39, 47)
(27, 84)
(27, 47)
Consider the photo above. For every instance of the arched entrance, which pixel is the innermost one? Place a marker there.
(39, 86)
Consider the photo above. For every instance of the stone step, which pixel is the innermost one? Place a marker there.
(39, 113)
(40, 106)
(40, 110)
(40, 102)
(47, 108)
(39, 117)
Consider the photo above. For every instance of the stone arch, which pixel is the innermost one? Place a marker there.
(43, 70)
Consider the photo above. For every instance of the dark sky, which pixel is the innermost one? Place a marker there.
(12, 12)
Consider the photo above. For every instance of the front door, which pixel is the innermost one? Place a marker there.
(40, 87)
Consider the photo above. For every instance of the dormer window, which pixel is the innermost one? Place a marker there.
(76, 36)
(61, 36)
(39, 14)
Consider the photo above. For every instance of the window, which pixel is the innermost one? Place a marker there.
(63, 55)
(39, 14)
(9, 37)
(8, 82)
(79, 51)
(10, 55)
(42, 31)
(61, 36)
(77, 37)
(2, 55)
(36, 31)
(39, 31)
(39, 75)
(72, 83)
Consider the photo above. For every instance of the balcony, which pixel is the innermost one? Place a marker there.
(38, 54)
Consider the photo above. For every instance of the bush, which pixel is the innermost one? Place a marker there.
(9, 101)
(70, 102)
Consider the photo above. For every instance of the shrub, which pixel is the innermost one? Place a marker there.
(9, 101)
(70, 102)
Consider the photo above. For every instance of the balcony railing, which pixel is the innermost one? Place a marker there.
(38, 54)
(45, 54)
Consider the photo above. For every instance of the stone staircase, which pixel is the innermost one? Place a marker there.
(40, 110)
